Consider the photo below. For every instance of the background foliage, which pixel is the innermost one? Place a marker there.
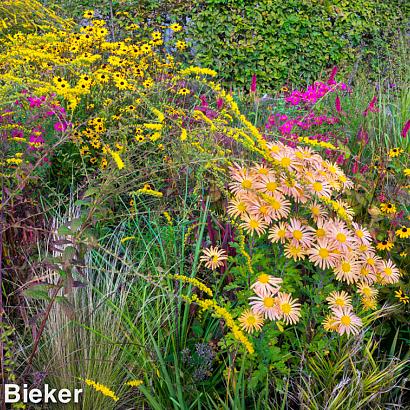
(280, 42)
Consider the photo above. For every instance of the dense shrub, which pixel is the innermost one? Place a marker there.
(284, 41)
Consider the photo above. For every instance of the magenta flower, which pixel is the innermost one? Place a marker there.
(253, 84)
(219, 103)
(61, 126)
(337, 104)
(36, 142)
(363, 136)
(355, 167)
(371, 107)
(405, 129)
(331, 80)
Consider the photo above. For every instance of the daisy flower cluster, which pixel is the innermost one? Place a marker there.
(269, 303)
(290, 200)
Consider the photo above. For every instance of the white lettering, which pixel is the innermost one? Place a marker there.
(11, 390)
(64, 396)
(49, 395)
(35, 396)
(77, 393)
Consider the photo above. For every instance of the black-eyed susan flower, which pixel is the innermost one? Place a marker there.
(175, 27)
(184, 91)
(213, 257)
(384, 246)
(395, 152)
(388, 208)
(403, 232)
(403, 298)
(250, 321)
(181, 45)
(407, 172)
(88, 14)
(156, 35)
(148, 83)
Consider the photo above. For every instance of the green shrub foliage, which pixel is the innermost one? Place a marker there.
(278, 40)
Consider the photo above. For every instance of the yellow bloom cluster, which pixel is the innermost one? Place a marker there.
(146, 190)
(134, 383)
(106, 391)
(315, 143)
(222, 313)
(198, 71)
(194, 282)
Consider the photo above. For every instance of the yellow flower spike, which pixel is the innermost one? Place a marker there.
(194, 282)
(106, 391)
(134, 383)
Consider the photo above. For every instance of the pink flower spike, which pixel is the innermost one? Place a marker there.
(253, 84)
(405, 129)
(338, 105)
(355, 167)
(371, 107)
(220, 103)
(331, 80)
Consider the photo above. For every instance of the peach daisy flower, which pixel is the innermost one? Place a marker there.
(294, 251)
(370, 260)
(250, 321)
(345, 181)
(289, 308)
(244, 180)
(299, 234)
(317, 211)
(361, 235)
(262, 169)
(237, 207)
(320, 188)
(290, 187)
(280, 206)
(287, 159)
(347, 269)
(266, 284)
(323, 254)
(261, 209)
(277, 233)
(366, 290)
(339, 299)
(366, 275)
(322, 228)
(213, 257)
(388, 271)
(341, 236)
(253, 223)
(346, 321)
(266, 305)
(369, 303)
(329, 324)
(267, 184)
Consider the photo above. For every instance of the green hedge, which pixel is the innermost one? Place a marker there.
(290, 40)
